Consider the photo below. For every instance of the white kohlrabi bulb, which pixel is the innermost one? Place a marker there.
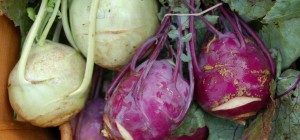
(122, 26)
(53, 71)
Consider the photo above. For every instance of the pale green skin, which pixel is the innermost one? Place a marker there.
(53, 72)
(121, 27)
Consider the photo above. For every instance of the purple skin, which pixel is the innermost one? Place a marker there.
(199, 134)
(227, 71)
(151, 112)
(90, 121)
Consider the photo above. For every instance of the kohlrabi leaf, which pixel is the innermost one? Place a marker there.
(222, 129)
(173, 34)
(51, 4)
(260, 128)
(283, 10)
(185, 22)
(286, 80)
(14, 9)
(193, 121)
(181, 9)
(285, 37)
(201, 28)
(31, 13)
(17, 12)
(251, 9)
(286, 123)
(187, 37)
(161, 13)
(199, 24)
(276, 55)
(185, 58)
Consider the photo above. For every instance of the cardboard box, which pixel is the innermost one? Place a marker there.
(9, 55)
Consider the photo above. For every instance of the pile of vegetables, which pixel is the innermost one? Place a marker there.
(165, 69)
(49, 84)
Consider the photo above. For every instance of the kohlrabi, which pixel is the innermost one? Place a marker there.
(50, 83)
(150, 101)
(122, 26)
(234, 72)
(150, 112)
(234, 81)
(88, 123)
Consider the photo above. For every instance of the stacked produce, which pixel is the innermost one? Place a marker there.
(167, 69)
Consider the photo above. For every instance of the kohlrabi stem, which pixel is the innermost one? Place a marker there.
(150, 61)
(153, 56)
(50, 23)
(142, 50)
(237, 22)
(235, 27)
(57, 32)
(96, 82)
(185, 109)
(192, 43)
(171, 52)
(222, 22)
(29, 41)
(66, 26)
(146, 70)
(116, 80)
(146, 46)
(179, 49)
(210, 26)
(91, 47)
(99, 84)
(43, 24)
(165, 22)
(260, 43)
(290, 89)
(192, 82)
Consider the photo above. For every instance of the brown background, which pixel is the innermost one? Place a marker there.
(9, 55)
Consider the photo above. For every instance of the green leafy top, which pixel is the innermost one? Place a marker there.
(250, 9)
(222, 129)
(283, 10)
(193, 121)
(284, 37)
(16, 11)
(286, 124)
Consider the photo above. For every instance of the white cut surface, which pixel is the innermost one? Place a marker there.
(125, 134)
(236, 102)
